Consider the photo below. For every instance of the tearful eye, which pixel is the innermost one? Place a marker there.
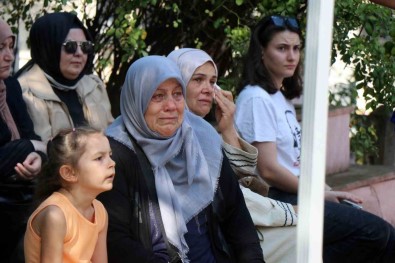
(177, 96)
(158, 97)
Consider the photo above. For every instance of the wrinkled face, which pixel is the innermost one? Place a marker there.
(281, 56)
(165, 111)
(95, 169)
(200, 89)
(6, 57)
(71, 65)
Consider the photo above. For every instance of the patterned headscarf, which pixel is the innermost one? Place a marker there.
(186, 165)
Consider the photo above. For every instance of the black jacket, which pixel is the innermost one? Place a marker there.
(231, 230)
(12, 152)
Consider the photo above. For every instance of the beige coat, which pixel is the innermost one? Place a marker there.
(49, 114)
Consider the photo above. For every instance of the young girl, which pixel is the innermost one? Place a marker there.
(70, 225)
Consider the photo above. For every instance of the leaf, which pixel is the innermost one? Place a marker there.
(369, 28)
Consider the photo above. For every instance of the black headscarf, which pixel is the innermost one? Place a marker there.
(46, 38)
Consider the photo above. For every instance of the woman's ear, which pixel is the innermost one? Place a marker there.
(67, 173)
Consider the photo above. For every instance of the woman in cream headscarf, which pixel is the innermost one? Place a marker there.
(274, 220)
(21, 152)
(173, 199)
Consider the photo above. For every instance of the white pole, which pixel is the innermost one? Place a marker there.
(314, 128)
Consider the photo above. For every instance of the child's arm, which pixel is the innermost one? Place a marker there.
(100, 253)
(50, 225)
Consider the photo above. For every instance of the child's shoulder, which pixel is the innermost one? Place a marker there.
(51, 213)
(98, 205)
(49, 218)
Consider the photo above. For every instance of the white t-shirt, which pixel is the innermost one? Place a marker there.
(261, 117)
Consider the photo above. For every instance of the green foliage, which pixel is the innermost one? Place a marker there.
(364, 37)
(343, 95)
(363, 142)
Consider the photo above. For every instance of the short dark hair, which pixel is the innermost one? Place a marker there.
(255, 72)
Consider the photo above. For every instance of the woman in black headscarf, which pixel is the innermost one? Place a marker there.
(58, 87)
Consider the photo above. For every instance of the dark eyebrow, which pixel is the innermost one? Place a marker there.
(203, 75)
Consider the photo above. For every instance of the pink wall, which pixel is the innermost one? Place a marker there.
(379, 199)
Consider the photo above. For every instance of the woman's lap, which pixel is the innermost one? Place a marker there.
(351, 235)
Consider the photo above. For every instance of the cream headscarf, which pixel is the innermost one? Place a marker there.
(186, 165)
(188, 60)
(5, 114)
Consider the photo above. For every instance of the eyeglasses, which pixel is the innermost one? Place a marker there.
(284, 21)
(71, 46)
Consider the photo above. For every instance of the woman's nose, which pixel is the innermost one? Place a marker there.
(208, 88)
(292, 54)
(9, 55)
(78, 50)
(170, 103)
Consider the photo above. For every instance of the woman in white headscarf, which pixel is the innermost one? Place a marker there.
(274, 220)
(173, 199)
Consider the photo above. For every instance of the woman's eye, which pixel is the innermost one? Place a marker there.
(99, 158)
(198, 80)
(158, 97)
(177, 95)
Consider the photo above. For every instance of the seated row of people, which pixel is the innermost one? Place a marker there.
(175, 196)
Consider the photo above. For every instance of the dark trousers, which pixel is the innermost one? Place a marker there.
(350, 234)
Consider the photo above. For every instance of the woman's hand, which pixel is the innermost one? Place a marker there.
(225, 110)
(224, 113)
(337, 196)
(30, 167)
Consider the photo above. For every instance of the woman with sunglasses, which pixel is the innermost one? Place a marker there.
(265, 117)
(58, 87)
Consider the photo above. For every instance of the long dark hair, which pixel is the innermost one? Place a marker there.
(255, 72)
(65, 148)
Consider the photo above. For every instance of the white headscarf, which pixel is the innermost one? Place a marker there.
(188, 60)
(186, 165)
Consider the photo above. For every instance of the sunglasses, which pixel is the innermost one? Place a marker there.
(284, 21)
(71, 46)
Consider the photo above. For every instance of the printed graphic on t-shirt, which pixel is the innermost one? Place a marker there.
(296, 134)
